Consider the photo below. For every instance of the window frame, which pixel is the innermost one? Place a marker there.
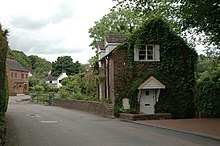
(155, 53)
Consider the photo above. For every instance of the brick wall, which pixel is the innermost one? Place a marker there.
(89, 106)
(16, 87)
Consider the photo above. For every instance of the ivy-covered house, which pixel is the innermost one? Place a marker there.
(150, 71)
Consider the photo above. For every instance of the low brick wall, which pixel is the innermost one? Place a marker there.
(89, 106)
(136, 117)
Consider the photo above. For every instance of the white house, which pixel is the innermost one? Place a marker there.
(56, 81)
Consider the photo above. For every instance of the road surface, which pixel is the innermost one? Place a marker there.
(42, 125)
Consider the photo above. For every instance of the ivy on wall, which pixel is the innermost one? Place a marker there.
(3, 82)
(175, 69)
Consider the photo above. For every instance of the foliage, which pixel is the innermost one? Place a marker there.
(205, 63)
(20, 57)
(202, 16)
(33, 81)
(124, 21)
(75, 87)
(4, 82)
(38, 89)
(40, 66)
(175, 69)
(207, 92)
(65, 63)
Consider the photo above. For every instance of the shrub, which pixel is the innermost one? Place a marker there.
(207, 99)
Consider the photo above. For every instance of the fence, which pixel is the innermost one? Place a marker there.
(42, 98)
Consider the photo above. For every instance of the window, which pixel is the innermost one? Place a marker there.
(60, 81)
(50, 82)
(147, 53)
(12, 75)
(22, 76)
(15, 75)
(147, 93)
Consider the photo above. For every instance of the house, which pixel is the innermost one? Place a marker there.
(18, 80)
(56, 81)
(150, 71)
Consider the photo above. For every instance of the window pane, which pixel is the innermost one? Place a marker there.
(142, 57)
(150, 53)
(142, 52)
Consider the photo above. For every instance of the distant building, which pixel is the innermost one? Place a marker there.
(18, 79)
(56, 81)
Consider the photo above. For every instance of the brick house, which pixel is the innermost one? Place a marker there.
(18, 80)
(138, 71)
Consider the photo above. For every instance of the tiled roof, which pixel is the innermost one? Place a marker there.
(14, 65)
(115, 38)
(51, 78)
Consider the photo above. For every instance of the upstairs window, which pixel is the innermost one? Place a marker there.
(147, 53)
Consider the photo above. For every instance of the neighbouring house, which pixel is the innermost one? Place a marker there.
(18, 80)
(56, 81)
(150, 71)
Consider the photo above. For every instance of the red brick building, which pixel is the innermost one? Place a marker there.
(137, 64)
(18, 81)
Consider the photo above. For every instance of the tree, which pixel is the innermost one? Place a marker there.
(20, 57)
(65, 63)
(123, 21)
(40, 66)
(204, 16)
(195, 16)
(207, 92)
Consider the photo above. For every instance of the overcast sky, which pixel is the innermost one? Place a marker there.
(52, 28)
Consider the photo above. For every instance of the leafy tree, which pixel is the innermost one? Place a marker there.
(20, 57)
(207, 92)
(204, 16)
(124, 21)
(33, 81)
(206, 62)
(40, 66)
(195, 16)
(76, 87)
(65, 63)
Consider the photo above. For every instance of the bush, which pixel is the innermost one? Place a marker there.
(38, 89)
(207, 99)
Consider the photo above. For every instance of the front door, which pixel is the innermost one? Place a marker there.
(147, 101)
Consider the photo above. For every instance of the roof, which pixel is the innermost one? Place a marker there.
(151, 83)
(51, 78)
(14, 65)
(101, 46)
(115, 38)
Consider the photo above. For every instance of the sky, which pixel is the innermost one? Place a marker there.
(52, 28)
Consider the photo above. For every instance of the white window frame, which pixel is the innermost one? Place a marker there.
(145, 53)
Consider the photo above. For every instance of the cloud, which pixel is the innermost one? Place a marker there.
(52, 27)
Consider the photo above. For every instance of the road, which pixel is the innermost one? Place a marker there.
(42, 125)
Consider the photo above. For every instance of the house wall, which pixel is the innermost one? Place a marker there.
(18, 82)
(102, 84)
(120, 73)
(62, 76)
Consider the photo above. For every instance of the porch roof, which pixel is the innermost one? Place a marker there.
(151, 83)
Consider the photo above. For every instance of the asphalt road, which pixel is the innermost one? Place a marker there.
(41, 125)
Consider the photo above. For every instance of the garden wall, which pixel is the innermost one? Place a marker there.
(88, 106)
